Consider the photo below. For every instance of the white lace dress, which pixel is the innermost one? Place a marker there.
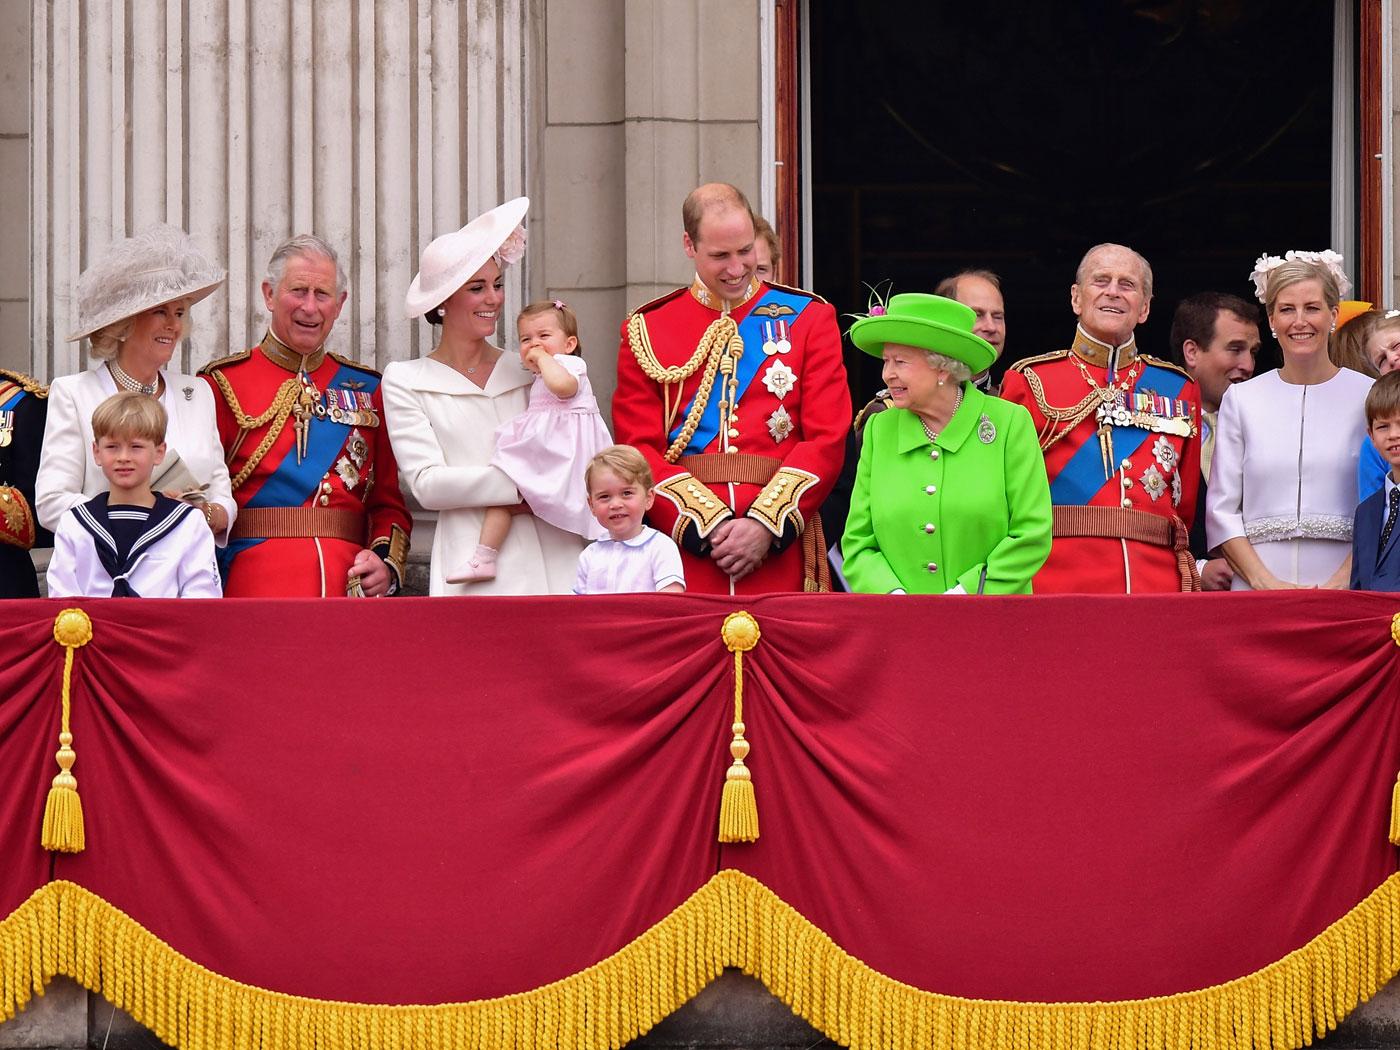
(1284, 472)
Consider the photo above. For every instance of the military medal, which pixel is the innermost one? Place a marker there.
(7, 426)
(770, 345)
(782, 344)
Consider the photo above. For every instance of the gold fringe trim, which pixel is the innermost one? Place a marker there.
(733, 920)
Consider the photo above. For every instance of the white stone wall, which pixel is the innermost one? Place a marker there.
(376, 125)
(643, 101)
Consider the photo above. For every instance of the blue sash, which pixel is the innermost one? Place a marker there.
(293, 483)
(1082, 477)
(12, 401)
(751, 332)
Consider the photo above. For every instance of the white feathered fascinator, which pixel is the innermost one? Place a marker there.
(158, 265)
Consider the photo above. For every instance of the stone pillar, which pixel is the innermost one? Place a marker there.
(644, 100)
(14, 177)
(375, 125)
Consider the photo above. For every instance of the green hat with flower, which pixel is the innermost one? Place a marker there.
(927, 322)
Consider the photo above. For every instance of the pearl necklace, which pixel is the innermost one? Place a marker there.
(933, 434)
(126, 382)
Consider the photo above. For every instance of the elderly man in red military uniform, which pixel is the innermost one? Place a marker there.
(735, 392)
(1120, 431)
(319, 507)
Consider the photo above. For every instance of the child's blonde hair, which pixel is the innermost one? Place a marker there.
(624, 461)
(1383, 401)
(128, 414)
(568, 323)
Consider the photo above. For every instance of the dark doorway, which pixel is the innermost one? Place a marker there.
(1014, 136)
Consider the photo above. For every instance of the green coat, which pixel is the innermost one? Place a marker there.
(927, 517)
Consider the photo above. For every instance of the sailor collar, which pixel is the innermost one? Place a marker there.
(284, 357)
(639, 540)
(1099, 353)
(705, 297)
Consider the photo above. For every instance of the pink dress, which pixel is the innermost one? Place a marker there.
(546, 449)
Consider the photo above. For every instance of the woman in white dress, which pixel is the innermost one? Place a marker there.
(443, 410)
(133, 306)
(1282, 491)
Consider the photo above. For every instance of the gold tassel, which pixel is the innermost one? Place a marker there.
(63, 811)
(1395, 812)
(738, 807)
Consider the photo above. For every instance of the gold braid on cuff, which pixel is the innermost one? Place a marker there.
(779, 499)
(695, 502)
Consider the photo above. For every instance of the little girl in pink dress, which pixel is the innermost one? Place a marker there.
(546, 449)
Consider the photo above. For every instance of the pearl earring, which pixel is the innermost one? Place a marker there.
(940, 382)
(441, 312)
(1273, 334)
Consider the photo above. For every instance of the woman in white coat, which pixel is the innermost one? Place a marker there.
(133, 305)
(443, 410)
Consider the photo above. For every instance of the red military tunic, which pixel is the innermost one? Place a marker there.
(313, 472)
(771, 453)
(1123, 457)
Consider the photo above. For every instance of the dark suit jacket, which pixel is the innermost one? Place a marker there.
(1371, 571)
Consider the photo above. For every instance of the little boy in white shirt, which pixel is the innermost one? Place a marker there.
(130, 542)
(634, 557)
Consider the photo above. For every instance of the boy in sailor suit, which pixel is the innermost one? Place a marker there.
(130, 542)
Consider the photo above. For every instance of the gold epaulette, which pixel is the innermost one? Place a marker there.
(1039, 359)
(29, 383)
(653, 303)
(232, 359)
(1171, 366)
(355, 364)
(796, 291)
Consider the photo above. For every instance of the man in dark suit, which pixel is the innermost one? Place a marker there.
(1215, 337)
(1375, 539)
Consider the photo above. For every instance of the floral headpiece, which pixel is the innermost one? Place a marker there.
(512, 250)
(1328, 259)
(878, 303)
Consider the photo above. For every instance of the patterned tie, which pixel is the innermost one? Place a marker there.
(1390, 519)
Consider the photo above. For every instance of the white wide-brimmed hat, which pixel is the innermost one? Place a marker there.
(157, 265)
(450, 260)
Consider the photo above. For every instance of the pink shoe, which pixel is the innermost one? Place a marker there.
(482, 567)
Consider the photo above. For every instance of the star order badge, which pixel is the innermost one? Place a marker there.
(780, 379)
(780, 425)
(358, 448)
(1165, 453)
(1153, 483)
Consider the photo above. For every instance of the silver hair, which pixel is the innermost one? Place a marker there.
(303, 244)
(1142, 261)
(955, 368)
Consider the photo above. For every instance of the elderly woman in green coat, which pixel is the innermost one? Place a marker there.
(950, 495)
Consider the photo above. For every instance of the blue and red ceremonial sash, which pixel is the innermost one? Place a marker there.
(10, 398)
(1081, 478)
(751, 332)
(294, 483)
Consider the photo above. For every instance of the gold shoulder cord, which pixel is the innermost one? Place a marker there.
(277, 412)
(721, 334)
(1070, 417)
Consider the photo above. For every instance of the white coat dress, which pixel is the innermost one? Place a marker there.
(67, 474)
(443, 429)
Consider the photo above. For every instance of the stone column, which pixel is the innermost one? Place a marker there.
(375, 125)
(645, 99)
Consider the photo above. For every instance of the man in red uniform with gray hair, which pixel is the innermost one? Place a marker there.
(735, 392)
(320, 513)
(1120, 431)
